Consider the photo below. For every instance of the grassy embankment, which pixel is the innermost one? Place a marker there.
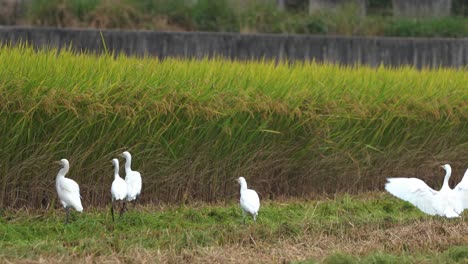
(292, 130)
(372, 228)
(234, 16)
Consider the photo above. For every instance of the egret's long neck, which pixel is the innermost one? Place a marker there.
(243, 186)
(62, 172)
(128, 162)
(116, 170)
(448, 173)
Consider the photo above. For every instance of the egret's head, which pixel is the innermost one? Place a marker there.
(63, 162)
(241, 181)
(126, 155)
(115, 162)
(446, 167)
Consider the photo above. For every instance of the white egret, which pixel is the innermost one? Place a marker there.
(462, 190)
(249, 201)
(118, 189)
(444, 202)
(132, 178)
(68, 190)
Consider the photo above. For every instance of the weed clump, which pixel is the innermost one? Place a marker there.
(340, 258)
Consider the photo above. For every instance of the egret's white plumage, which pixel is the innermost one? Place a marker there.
(67, 189)
(249, 201)
(444, 202)
(462, 190)
(119, 189)
(132, 178)
(119, 186)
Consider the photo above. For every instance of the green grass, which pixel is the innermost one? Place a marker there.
(182, 228)
(452, 27)
(193, 126)
(455, 254)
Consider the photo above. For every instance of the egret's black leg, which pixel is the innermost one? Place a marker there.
(122, 209)
(112, 210)
(67, 210)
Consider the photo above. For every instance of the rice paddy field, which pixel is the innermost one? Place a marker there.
(316, 141)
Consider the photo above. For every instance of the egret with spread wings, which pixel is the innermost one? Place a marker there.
(445, 202)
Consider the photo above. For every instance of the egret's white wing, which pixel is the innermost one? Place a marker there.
(69, 186)
(119, 189)
(133, 180)
(415, 191)
(461, 191)
(250, 201)
(70, 193)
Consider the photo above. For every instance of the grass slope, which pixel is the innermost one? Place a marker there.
(194, 125)
(233, 16)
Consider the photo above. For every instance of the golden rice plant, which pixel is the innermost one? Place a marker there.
(292, 129)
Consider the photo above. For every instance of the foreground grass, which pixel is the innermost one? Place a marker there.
(289, 231)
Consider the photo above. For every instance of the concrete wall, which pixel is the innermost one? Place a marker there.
(343, 50)
(422, 8)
